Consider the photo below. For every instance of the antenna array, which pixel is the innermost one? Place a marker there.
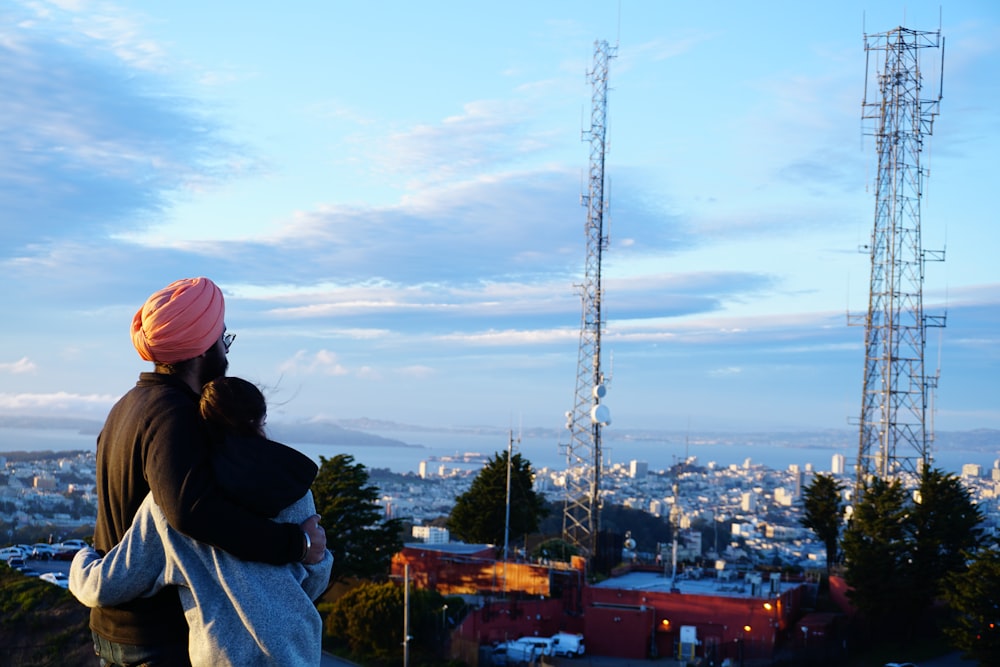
(894, 433)
(581, 515)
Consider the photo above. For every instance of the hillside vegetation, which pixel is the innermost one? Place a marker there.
(42, 624)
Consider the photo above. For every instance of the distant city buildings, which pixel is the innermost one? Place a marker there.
(972, 471)
(747, 509)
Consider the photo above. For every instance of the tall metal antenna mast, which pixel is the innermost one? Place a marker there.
(581, 515)
(894, 433)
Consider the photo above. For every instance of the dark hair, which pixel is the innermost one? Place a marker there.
(233, 405)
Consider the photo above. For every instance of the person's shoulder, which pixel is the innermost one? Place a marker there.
(163, 389)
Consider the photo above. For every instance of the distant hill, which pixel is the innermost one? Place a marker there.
(327, 433)
(356, 432)
(317, 432)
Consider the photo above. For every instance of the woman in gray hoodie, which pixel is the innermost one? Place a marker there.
(238, 612)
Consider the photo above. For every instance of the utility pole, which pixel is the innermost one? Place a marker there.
(406, 615)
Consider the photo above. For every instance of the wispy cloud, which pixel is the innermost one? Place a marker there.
(322, 362)
(56, 403)
(86, 146)
(22, 365)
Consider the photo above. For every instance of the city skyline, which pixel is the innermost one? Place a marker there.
(389, 198)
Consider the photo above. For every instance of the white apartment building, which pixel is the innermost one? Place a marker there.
(432, 534)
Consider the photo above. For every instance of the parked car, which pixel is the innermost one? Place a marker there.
(16, 562)
(42, 551)
(57, 578)
(11, 552)
(66, 550)
(29, 572)
(73, 544)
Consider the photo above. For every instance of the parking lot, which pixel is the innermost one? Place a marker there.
(43, 565)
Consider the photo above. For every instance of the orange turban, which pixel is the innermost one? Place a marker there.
(180, 322)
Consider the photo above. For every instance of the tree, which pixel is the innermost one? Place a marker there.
(361, 541)
(824, 513)
(555, 549)
(479, 514)
(974, 598)
(369, 619)
(899, 550)
(875, 551)
(943, 524)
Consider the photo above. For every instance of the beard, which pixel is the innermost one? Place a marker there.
(215, 364)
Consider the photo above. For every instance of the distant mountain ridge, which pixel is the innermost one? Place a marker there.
(356, 432)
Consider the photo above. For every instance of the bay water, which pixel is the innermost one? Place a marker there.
(438, 448)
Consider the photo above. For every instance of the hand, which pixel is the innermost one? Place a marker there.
(317, 540)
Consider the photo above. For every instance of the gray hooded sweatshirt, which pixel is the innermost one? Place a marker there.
(238, 612)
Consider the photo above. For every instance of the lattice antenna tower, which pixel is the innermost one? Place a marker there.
(895, 433)
(581, 514)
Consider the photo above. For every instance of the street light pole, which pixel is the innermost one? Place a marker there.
(406, 615)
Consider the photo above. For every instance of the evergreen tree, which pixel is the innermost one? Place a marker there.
(479, 514)
(974, 598)
(899, 550)
(876, 553)
(362, 542)
(943, 524)
(824, 513)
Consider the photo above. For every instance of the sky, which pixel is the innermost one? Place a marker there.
(389, 196)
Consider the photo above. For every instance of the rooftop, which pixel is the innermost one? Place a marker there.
(723, 583)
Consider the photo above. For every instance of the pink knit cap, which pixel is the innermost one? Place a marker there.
(179, 322)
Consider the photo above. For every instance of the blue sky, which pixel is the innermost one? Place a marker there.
(388, 194)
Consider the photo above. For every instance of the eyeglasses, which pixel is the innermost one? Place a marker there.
(227, 340)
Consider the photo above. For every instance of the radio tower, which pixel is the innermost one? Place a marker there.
(895, 437)
(581, 515)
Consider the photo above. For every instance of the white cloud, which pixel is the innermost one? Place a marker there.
(22, 365)
(323, 362)
(61, 401)
(512, 337)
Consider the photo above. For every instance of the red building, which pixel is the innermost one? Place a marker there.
(640, 613)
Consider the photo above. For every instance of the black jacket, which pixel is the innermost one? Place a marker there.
(154, 440)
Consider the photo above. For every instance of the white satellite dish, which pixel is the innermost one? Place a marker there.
(600, 390)
(599, 414)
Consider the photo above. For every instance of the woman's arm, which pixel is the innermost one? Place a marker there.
(132, 569)
(317, 578)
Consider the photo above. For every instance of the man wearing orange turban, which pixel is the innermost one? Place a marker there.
(179, 322)
(155, 441)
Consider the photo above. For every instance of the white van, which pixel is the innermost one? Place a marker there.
(567, 645)
(527, 650)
